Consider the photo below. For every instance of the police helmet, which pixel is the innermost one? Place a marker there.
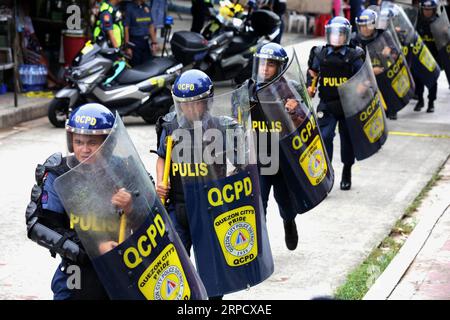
(89, 119)
(338, 31)
(270, 54)
(368, 19)
(386, 14)
(192, 93)
(429, 4)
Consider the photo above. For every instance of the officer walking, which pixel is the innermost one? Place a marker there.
(427, 14)
(199, 10)
(48, 223)
(192, 105)
(366, 34)
(333, 65)
(139, 29)
(270, 61)
(109, 24)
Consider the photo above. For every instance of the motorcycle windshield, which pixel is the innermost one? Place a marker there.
(134, 248)
(363, 107)
(303, 160)
(215, 159)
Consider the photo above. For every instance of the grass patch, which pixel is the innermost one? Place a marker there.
(360, 279)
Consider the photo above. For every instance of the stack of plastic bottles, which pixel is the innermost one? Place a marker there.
(33, 77)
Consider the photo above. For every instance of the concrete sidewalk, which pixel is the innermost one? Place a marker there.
(27, 109)
(421, 269)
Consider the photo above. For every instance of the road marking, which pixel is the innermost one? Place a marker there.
(424, 135)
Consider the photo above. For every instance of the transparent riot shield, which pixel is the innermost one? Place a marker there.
(420, 60)
(412, 12)
(391, 70)
(136, 252)
(362, 103)
(214, 156)
(303, 162)
(440, 29)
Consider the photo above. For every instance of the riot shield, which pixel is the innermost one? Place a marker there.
(136, 254)
(394, 77)
(440, 29)
(364, 113)
(412, 12)
(420, 60)
(216, 161)
(304, 162)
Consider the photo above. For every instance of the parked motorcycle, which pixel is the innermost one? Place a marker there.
(228, 55)
(97, 76)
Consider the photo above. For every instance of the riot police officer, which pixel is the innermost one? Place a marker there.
(191, 92)
(427, 14)
(366, 29)
(366, 34)
(333, 65)
(269, 61)
(138, 29)
(48, 223)
(109, 23)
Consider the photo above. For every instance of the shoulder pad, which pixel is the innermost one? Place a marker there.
(54, 160)
(169, 117)
(314, 52)
(55, 163)
(357, 53)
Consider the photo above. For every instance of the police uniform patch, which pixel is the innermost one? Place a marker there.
(44, 198)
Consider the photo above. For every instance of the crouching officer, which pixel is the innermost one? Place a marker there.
(332, 65)
(106, 207)
(279, 105)
(139, 29)
(226, 230)
(109, 24)
(47, 222)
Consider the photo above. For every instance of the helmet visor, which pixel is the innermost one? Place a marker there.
(191, 113)
(338, 35)
(265, 70)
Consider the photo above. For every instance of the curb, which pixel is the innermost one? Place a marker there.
(20, 114)
(432, 209)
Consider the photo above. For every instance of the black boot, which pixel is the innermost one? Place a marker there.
(430, 106)
(346, 182)
(419, 105)
(290, 234)
(392, 115)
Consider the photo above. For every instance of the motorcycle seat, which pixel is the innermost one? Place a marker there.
(239, 44)
(154, 67)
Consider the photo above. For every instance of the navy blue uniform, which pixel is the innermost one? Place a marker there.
(53, 216)
(176, 206)
(334, 68)
(423, 28)
(138, 20)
